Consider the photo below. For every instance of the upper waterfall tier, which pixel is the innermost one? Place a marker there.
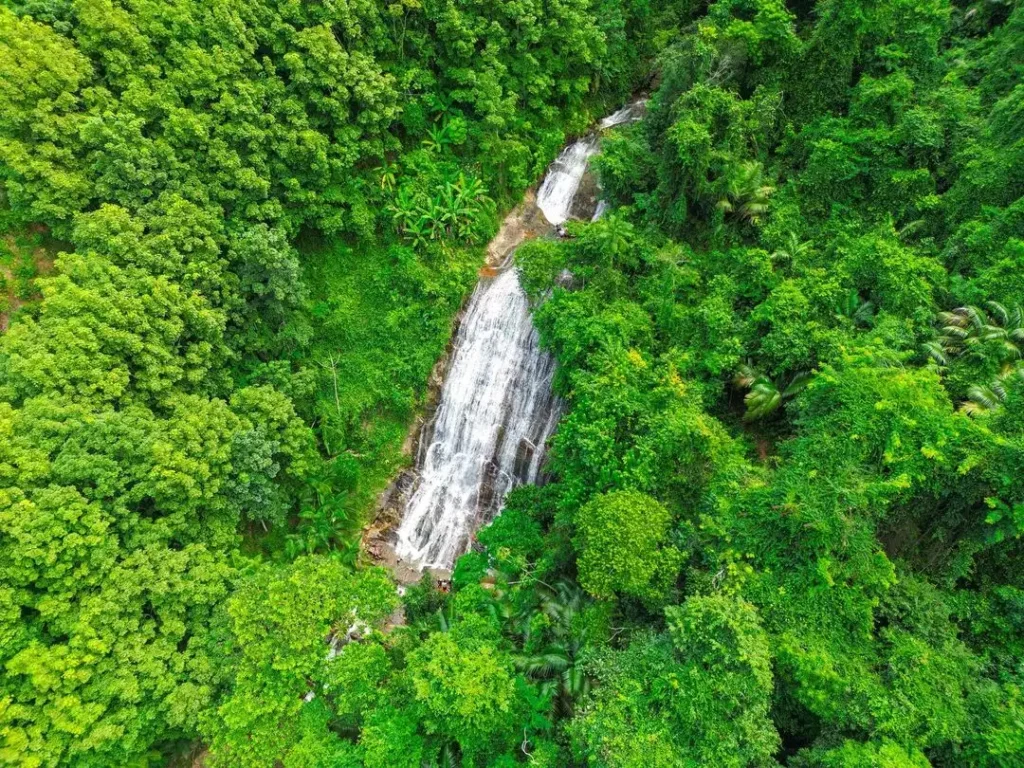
(562, 181)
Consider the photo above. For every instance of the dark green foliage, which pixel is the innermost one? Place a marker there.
(784, 516)
(269, 216)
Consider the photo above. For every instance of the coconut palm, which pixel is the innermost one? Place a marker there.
(792, 250)
(983, 400)
(994, 331)
(972, 329)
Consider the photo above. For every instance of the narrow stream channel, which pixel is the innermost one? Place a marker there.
(496, 410)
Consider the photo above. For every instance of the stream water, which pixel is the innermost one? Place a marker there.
(496, 409)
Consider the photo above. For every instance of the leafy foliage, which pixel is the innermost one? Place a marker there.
(772, 532)
(203, 396)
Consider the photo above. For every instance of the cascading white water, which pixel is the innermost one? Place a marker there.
(628, 114)
(495, 415)
(562, 181)
(496, 409)
(556, 193)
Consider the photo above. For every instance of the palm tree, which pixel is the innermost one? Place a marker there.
(765, 396)
(792, 250)
(983, 400)
(746, 194)
(982, 333)
(447, 758)
(938, 360)
(862, 313)
(971, 329)
(557, 665)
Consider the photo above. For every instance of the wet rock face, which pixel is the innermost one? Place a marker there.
(524, 222)
(588, 194)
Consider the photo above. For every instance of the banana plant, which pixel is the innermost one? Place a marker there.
(419, 231)
(453, 211)
(326, 524)
(437, 137)
(403, 209)
(388, 176)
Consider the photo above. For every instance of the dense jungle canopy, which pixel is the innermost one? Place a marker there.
(786, 499)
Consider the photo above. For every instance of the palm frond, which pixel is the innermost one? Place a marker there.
(865, 314)
(763, 399)
(999, 311)
(745, 376)
(982, 400)
(936, 351)
(797, 384)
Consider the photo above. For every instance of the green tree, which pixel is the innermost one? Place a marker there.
(282, 623)
(702, 699)
(466, 689)
(622, 540)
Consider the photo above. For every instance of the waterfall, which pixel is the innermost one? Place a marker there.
(496, 410)
(628, 114)
(563, 178)
(562, 181)
(495, 415)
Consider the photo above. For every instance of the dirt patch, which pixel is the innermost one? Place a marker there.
(192, 756)
(524, 222)
(27, 257)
